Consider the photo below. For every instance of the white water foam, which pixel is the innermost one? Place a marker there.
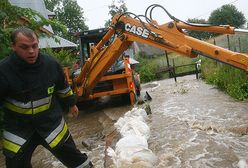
(242, 163)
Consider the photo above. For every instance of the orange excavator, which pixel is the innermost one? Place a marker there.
(128, 28)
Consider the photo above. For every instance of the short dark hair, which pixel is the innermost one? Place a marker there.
(25, 31)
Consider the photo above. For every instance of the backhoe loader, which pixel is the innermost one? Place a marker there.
(128, 28)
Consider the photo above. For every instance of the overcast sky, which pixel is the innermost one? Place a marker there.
(96, 11)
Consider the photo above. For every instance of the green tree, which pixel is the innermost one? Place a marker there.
(10, 19)
(51, 4)
(227, 15)
(70, 14)
(199, 34)
(116, 8)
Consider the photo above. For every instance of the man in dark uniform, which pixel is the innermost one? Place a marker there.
(32, 86)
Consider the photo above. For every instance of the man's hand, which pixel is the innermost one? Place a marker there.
(73, 111)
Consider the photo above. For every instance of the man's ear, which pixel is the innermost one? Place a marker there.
(12, 45)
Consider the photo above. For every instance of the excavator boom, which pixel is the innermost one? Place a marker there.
(171, 37)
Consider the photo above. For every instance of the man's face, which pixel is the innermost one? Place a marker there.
(26, 48)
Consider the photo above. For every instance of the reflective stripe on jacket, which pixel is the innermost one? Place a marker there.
(31, 107)
(37, 106)
(65, 92)
(55, 137)
(12, 142)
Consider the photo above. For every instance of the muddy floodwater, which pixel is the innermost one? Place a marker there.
(192, 125)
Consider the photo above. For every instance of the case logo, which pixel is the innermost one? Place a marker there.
(140, 31)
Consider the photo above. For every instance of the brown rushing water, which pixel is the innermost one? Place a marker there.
(192, 125)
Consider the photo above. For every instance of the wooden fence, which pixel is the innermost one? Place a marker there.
(172, 70)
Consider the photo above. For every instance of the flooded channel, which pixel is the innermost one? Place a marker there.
(195, 125)
(192, 125)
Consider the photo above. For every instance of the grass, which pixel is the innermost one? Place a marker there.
(231, 80)
(149, 66)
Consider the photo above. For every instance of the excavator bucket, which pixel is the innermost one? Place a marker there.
(147, 97)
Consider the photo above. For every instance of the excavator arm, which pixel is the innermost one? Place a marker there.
(170, 37)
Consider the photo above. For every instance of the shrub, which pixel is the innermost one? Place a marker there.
(64, 57)
(1, 122)
(146, 69)
(229, 79)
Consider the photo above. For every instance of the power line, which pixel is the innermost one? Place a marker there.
(206, 13)
(96, 8)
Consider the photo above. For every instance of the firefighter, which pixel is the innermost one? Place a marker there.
(32, 89)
